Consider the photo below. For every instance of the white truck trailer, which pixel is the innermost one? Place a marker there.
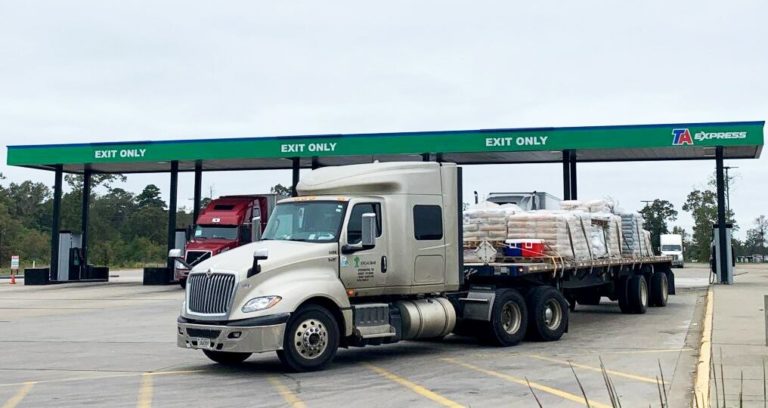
(672, 245)
(371, 254)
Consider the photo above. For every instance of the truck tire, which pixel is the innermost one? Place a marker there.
(622, 288)
(659, 290)
(225, 358)
(311, 339)
(183, 283)
(637, 294)
(547, 314)
(509, 319)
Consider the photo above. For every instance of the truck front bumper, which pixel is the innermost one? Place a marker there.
(256, 335)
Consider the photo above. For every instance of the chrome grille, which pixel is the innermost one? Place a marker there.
(210, 294)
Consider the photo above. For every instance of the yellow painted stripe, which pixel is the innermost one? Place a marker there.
(677, 350)
(145, 391)
(102, 377)
(418, 389)
(19, 396)
(292, 399)
(543, 388)
(586, 367)
(701, 385)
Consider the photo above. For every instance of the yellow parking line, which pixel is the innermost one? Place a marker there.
(701, 384)
(677, 350)
(289, 396)
(418, 389)
(586, 367)
(145, 391)
(543, 388)
(105, 377)
(19, 396)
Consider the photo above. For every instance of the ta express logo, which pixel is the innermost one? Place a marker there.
(681, 137)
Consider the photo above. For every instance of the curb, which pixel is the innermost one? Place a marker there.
(703, 366)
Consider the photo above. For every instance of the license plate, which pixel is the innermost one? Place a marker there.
(204, 343)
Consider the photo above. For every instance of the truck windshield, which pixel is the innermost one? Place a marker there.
(218, 232)
(671, 248)
(312, 221)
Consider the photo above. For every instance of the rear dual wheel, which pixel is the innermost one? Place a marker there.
(509, 319)
(633, 294)
(659, 292)
(548, 314)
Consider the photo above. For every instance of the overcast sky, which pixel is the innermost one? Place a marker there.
(96, 71)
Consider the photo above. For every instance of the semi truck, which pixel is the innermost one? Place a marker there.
(672, 245)
(372, 254)
(528, 201)
(225, 223)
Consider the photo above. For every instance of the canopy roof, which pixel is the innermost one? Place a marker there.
(681, 141)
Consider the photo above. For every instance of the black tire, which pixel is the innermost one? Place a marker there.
(621, 295)
(659, 291)
(547, 314)
(311, 339)
(183, 283)
(226, 358)
(637, 294)
(509, 319)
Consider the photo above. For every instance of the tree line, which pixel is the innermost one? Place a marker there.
(128, 229)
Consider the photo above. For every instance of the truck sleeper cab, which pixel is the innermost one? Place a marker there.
(367, 254)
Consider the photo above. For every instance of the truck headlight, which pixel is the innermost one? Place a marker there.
(261, 303)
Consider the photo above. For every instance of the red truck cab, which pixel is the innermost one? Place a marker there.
(225, 223)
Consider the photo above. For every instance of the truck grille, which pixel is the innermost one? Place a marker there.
(210, 295)
(195, 257)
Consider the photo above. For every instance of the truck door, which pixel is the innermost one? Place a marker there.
(364, 268)
(428, 245)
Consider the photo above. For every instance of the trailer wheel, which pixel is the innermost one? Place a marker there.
(637, 294)
(225, 358)
(509, 319)
(659, 289)
(311, 339)
(622, 290)
(548, 313)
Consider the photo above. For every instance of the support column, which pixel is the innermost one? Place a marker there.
(566, 174)
(425, 157)
(172, 209)
(55, 222)
(572, 172)
(85, 213)
(295, 176)
(198, 189)
(722, 256)
(315, 162)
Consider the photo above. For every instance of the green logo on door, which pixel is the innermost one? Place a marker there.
(357, 261)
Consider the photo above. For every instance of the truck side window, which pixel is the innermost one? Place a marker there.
(428, 222)
(355, 227)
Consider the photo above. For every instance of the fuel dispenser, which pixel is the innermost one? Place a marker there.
(70, 257)
(715, 264)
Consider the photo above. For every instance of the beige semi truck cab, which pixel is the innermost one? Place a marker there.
(362, 256)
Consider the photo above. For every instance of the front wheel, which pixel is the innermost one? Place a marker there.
(311, 339)
(548, 313)
(223, 357)
(183, 283)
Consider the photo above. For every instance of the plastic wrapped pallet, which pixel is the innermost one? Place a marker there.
(592, 206)
(487, 221)
(647, 250)
(613, 236)
(633, 236)
(563, 232)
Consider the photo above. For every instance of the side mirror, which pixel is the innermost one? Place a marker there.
(189, 231)
(258, 255)
(175, 253)
(255, 229)
(369, 230)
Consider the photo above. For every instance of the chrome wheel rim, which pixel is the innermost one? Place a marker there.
(643, 292)
(311, 339)
(511, 318)
(665, 289)
(553, 314)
